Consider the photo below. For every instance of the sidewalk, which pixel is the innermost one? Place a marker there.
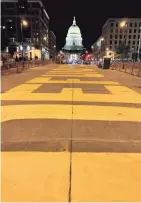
(130, 81)
(12, 80)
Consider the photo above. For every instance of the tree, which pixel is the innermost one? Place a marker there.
(123, 50)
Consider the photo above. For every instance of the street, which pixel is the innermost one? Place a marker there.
(71, 133)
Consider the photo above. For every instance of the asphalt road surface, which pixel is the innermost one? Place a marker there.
(71, 133)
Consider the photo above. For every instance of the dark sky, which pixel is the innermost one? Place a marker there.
(90, 16)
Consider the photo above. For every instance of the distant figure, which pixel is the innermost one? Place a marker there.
(36, 57)
(16, 59)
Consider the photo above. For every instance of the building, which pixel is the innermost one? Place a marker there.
(115, 31)
(35, 34)
(52, 44)
(73, 46)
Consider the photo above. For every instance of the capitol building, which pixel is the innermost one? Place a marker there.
(73, 47)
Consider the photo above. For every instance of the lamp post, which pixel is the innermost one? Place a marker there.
(54, 52)
(24, 23)
(124, 24)
(138, 57)
(101, 40)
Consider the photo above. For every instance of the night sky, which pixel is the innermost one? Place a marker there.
(90, 16)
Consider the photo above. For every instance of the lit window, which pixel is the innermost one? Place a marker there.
(37, 33)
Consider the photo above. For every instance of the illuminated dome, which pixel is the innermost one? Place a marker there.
(74, 29)
(73, 39)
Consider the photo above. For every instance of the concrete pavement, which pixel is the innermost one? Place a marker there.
(70, 134)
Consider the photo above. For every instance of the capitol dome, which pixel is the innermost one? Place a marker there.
(74, 38)
(74, 29)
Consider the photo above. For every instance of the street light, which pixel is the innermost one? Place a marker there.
(102, 39)
(45, 38)
(138, 57)
(24, 23)
(28, 48)
(123, 24)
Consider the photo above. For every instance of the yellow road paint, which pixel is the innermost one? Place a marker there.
(42, 80)
(96, 177)
(107, 98)
(121, 90)
(109, 113)
(44, 177)
(72, 80)
(48, 111)
(73, 75)
(25, 88)
(73, 72)
(66, 95)
(106, 177)
(65, 91)
(38, 80)
(35, 177)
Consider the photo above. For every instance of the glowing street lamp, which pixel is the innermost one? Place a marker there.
(123, 24)
(21, 48)
(24, 23)
(102, 39)
(28, 48)
(45, 38)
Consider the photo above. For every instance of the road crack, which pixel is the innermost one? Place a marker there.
(70, 145)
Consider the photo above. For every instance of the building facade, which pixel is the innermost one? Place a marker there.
(35, 34)
(52, 44)
(114, 32)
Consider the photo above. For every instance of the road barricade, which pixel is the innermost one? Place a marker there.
(15, 67)
(133, 68)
